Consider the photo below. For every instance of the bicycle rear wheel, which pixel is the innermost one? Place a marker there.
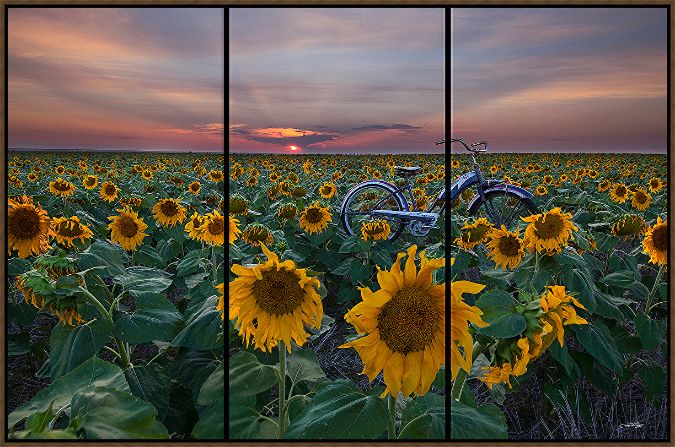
(359, 203)
(505, 208)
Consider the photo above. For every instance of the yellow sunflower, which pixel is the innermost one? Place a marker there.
(216, 176)
(256, 234)
(461, 314)
(404, 326)
(28, 227)
(234, 229)
(168, 212)
(61, 188)
(195, 187)
(655, 184)
(221, 300)
(619, 193)
(287, 211)
(147, 174)
(376, 230)
(273, 302)
(641, 199)
(506, 247)
(327, 190)
(655, 243)
(315, 219)
(628, 226)
(90, 181)
(548, 232)
(193, 224)
(67, 229)
(108, 191)
(212, 231)
(474, 234)
(127, 229)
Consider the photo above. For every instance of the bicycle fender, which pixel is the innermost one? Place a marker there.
(517, 190)
(382, 183)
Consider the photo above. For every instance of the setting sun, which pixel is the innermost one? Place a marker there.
(294, 148)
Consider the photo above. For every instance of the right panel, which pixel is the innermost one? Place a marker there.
(559, 214)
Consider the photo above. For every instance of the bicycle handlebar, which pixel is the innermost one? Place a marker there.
(440, 142)
(471, 148)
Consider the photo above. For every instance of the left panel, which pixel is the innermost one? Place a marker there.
(114, 223)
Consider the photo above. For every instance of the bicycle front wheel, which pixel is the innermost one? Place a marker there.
(359, 204)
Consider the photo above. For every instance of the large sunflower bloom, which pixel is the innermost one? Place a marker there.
(212, 230)
(61, 188)
(655, 243)
(67, 229)
(169, 212)
(315, 218)
(108, 191)
(548, 232)
(127, 229)
(506, 248)
(405, 326)
(234, 229)
(274, 301)
(28, 227)
(461, 314)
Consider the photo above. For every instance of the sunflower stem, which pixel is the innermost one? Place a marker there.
(282, 388)
(391, 428)
(213, 260)
(460, 380)
(648, 307)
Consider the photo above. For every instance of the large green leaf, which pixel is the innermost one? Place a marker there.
(246, 423)
(202, 328)
(104, 413)
(105, 255)
(70, 346)
(155, 319)
(654, 380)
(211, 424)
(247, 376)
(424, 418)
(303, 365)
(92, 373)
(152, 384)
(484, 422)
(598, 341)
(340, 411)
(651, 332)
(192, 263)
(143, 280)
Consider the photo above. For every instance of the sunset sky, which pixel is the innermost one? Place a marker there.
(116, 78)
(560, 79)
(336, 80)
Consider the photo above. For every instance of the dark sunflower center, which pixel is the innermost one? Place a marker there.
(409, 321)
(169, 208)
(660, 238)
(278, 292)
(314, 215)
(109, 190)
(237, 206)
(194, 187)
(128, 228)
(66, 230)
(61, 186)
(620, 191)
(90, 181)
(326, 190)
(24, 223)
(640, 197)
(654, 183)
(548, 227)
(217, 226)
(509, 246)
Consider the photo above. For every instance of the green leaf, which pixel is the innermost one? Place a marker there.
(104, 413)
(152, 384)
(143, 280)
(340, 411)
(484, 422)
(302, 365)
(424, 418)
(148, 255)
(651, 332)
(654, 380)
(623, 279)
(562, 356)
(17, 266)
(92, 373)
(69, 347)
(212, 395)
(495, 303)
(248, 377)
(246, 423)
(598, 341)
(505, 326)
(155, 319)
(102, 254)
(202, 328)
(193, 262)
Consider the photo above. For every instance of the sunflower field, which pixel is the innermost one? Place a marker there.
(558, 325)
(332, 336)
(115, 304)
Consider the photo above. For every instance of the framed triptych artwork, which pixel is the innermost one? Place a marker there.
(365, 306)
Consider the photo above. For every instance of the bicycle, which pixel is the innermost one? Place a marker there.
(501, 203)
(378, 199)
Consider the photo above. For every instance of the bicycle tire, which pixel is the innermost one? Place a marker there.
(389, 190)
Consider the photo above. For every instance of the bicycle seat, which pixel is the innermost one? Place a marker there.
(405, 170)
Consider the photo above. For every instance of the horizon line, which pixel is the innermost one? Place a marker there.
(38, 149)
